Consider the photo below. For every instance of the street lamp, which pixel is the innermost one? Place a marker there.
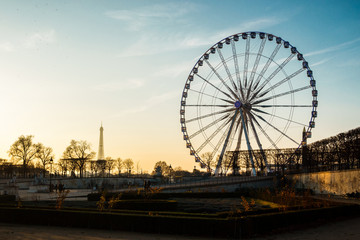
(51, 162)
(170, 173)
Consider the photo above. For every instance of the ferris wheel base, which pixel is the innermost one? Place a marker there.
(219, 174)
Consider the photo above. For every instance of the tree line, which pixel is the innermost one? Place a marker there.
(334, 153)
(29, 158)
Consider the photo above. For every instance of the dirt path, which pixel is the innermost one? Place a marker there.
(26, 232)
(348, 229)
(345, 230)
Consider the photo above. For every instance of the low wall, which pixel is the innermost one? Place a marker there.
(331, 182)
(223, 187)
(76, 183)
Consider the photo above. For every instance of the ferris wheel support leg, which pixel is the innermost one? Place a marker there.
(218, 166)
(260, 147)
(253, 172)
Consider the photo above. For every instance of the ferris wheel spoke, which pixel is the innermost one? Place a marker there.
(278, 130)
(259, 144)
(202, 93)
(209, 115)
(277, 70)
(236, 64)
(238, 123)
(257, 60)
(256, 64)
(226, 94)
(227, 69)
(209, 125)
(286, 119)
(231, 139)
(238, 144)
(233, 132)
(213, 135)
(263, 131)
(246, 133)
(281, 106)
(280, 83)
(282, 94)
(226, 142)
(220, 142)
(266, 66)
(246, 62)
(221, 79)
(207, 105)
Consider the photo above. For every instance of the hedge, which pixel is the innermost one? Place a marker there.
(199, 225)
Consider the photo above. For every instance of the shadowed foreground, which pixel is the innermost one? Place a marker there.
(345, 229)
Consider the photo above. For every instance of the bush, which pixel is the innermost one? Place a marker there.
(164, 196)
(7, 198)
(146, 205)
(353, 194)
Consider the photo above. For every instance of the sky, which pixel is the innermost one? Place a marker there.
(68, 66)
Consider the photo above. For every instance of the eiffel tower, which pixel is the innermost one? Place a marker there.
(101, 144)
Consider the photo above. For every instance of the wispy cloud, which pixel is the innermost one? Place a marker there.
(150, 103)
(6, 47)
(156, 43)
(260, 23)
(36, 39)
(321, 62)
(248, 25)
(139, 18)
(173, 70)
(31, 41)
(119, 85)
(333, 48)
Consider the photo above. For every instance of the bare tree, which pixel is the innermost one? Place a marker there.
(109, 165)
(162, 168)
(119, 165)
(63, 165)
(129, 165)
(93, 168)
(101, 166)
(23, 150)
(79, 152)
(208, 159)
(44, 154)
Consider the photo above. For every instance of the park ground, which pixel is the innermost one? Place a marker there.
(345, 229)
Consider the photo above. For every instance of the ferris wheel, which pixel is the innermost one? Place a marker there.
(248, 92)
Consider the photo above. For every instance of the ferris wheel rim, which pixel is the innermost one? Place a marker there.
(203, 58)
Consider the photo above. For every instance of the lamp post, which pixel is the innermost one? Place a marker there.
(51, 162)
(170, 173)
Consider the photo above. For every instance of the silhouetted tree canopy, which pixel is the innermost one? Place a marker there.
(44, 155)
(23, 150)
(78, 153)
(128, 165)
(162, 167)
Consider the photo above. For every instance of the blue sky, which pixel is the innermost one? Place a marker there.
(67, 66)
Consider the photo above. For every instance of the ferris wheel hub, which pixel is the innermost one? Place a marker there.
(238, 104)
